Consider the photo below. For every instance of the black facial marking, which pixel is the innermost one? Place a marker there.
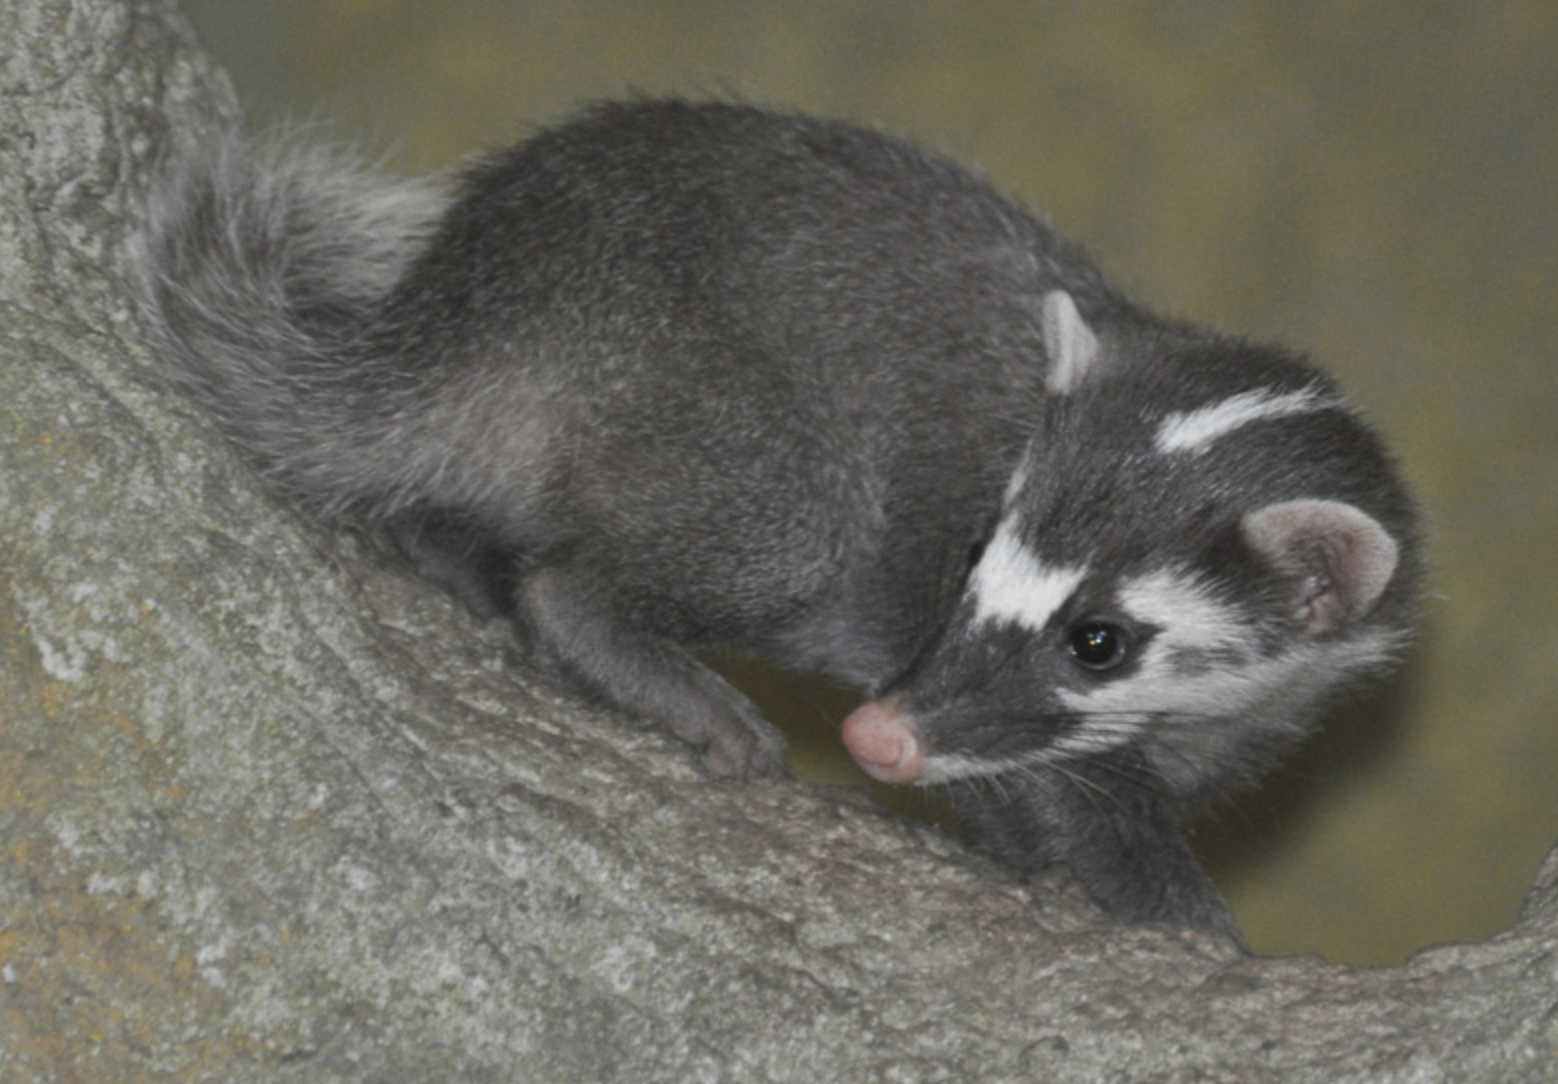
(975, 552)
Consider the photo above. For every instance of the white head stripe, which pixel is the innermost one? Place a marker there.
(1010, 585)
(1193, 430)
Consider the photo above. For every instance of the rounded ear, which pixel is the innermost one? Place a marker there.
(1070, 343)
(1338, 558)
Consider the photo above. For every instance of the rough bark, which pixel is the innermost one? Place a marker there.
(272, 810)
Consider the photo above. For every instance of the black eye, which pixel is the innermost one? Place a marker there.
(1098, 645)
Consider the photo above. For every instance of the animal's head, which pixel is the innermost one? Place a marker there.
(1201, 541)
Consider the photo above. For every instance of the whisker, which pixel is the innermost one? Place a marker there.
(1088, 788)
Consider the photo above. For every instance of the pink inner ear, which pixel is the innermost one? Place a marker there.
(1339, 556)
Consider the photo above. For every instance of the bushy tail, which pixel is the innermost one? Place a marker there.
(258, 273)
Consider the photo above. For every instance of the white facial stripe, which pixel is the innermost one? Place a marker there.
(1155, 688)
(1016, 482)
(946, 769)
(1011, 586)
(1093, 736)
(1084, 741)
(1194, 430)
(1184, 610)
(955, 766)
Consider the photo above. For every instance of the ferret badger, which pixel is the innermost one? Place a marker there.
(696, 375)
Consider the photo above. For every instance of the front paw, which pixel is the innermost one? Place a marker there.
(737, 748)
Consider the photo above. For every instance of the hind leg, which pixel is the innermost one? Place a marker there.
(648, 675)
(463, 560)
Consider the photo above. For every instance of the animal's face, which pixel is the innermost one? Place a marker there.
(1059, 649)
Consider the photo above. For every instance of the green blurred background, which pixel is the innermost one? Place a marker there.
(1377, 183)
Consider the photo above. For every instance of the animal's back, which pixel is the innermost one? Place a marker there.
(814, 350)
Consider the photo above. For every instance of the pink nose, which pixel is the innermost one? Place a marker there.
(879, 737)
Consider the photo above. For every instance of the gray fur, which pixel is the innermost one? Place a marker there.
(673, 376)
